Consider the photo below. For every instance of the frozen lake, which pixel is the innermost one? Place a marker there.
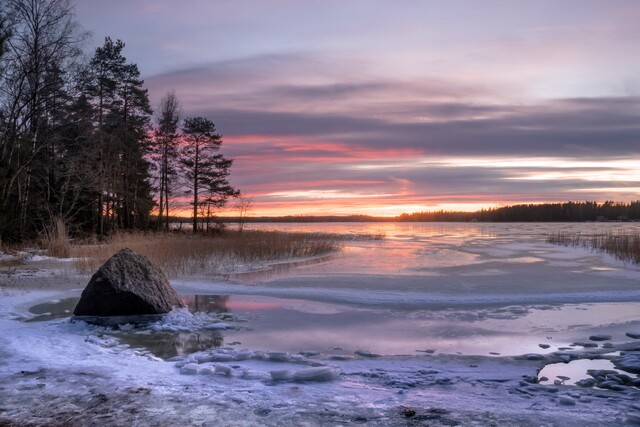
(444, 319)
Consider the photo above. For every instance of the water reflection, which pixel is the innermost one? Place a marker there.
(206, 303)
(170, 344)
(275, 324)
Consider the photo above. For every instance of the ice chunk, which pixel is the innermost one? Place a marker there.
(204, 358)
(249, 374)
(222, 357)
(278, 356)
(207, 370)
(325, 373)
(281, 375)
(223, 369)
(190, 369)
(102, 342)
(243, 355)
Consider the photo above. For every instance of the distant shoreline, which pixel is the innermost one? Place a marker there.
(546, 212)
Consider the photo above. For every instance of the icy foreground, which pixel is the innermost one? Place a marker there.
(60, 373)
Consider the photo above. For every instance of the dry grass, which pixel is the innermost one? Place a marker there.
(56, 240)
(179, 254)
(624, 246)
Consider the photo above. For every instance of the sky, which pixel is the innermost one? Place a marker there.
(378, 108)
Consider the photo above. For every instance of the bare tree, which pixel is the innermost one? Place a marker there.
(165, 153)
(44, 37)
(243, 205)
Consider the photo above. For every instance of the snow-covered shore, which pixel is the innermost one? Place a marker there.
(60, 373)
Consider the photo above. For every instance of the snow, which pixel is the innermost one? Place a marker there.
(56, 372)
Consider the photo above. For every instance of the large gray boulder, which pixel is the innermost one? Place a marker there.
(128, 284)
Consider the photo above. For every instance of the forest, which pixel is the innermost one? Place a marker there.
(79, 143)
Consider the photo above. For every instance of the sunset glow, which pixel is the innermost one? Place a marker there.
(369, 108)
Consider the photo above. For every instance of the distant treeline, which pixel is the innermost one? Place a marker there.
(545, 212)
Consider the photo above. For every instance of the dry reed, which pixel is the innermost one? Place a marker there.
(623, 246)
(56, 240)
(179, 254)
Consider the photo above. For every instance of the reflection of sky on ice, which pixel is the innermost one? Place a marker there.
(434, 249)
(277, 324)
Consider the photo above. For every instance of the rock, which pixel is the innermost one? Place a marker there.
(586, 344)
(586, 382)
(545, 346)
(128, 284)
(531, 356)
(407, 412)
(566, 400)
(634, 335)
(611, 385)
(600, 337)
(366, 353)
(629, 362)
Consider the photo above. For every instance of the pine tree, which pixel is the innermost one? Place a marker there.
(121, 119)
(206, 170)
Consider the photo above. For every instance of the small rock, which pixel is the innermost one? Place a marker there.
(611, 385)
(586, 344)
(545, 346)
(566, 400)
(634, 335)
(366, 353)
(407, 412)
(341, 357)
(263, 412)
(586, 382)
(600, 337)
(534, 356)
